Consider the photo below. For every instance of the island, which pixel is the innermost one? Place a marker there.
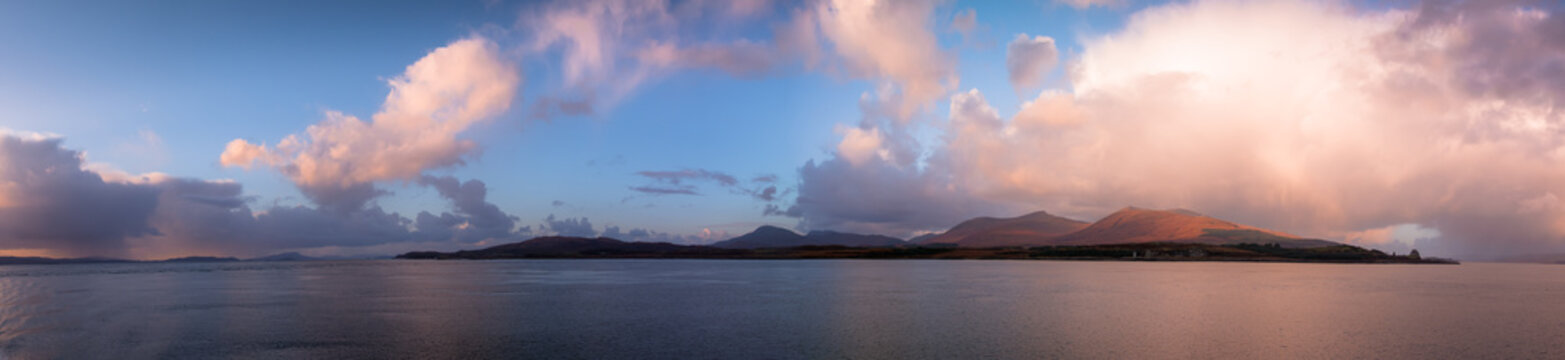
(555, 247)
(1130, 234)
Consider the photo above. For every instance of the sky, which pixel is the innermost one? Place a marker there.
(162, 129)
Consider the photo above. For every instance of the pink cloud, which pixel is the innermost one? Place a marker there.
(418, 127)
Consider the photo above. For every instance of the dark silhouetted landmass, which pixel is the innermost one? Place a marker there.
(1035, 229)
(287, 256)
(199, 259)
(34, 260)
(577, 247)
(574, 247)
(775, 237)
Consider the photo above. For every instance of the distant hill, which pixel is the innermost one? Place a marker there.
(33, 260)
(1039, 228)
(198, 259)
(568, 247)
(763, 237)
(1136, 225)
(922, 238)
(287, 256)
(775, 237)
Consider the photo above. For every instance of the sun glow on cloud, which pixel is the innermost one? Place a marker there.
(1316, 118)
(418, 128)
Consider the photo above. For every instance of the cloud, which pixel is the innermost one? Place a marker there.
(768, 193)
(51, 203)
(1029, 59)
(474, 219)
(880, 195)
(679, 182)
(48, 201)
(676, 190)
(965, 21)
(740, 58)
(892, 41)
(606, 49)
(1316, 119)
(1083, 4)
(578, 227)
(683, 182)
(418, 128)
(705, 236)
(196, 217)
(681, 176)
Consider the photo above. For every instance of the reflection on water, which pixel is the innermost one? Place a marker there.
(780, 309)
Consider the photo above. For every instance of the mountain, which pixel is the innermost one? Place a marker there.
(1136, 225)
(766, 236)
(1037, 228)
(776, 237)
(819, 237)
(922, 238)
(569, 247)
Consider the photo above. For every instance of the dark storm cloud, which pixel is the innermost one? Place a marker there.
(47, 201)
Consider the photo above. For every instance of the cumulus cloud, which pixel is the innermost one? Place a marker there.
(474, 218)
(1316, 119)
(608, 48)
(705, 236)
(891, 41)
(418, 128)
(1029, 59)
(52, 203)
(579, 227)
(196, 217)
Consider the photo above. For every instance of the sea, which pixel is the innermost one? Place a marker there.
(781, 309)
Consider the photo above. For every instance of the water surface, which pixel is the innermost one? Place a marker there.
(907, 309)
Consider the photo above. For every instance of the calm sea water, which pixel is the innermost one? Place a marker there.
(727, 309)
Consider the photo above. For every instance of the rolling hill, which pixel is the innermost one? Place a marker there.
(775, 237)
(1032, 229)
(1126, 226)
(1136, 225)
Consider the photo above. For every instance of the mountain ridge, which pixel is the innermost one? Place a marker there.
(767, 236)
(1128, 225)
